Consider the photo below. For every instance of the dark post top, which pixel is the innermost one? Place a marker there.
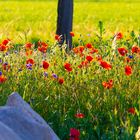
(64, 21)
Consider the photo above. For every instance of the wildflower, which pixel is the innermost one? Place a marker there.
(29, 66)
(79, 115)
(74, 134)
(135, 49)
(45, 65)
(30, 61)
(45, 74)
(68, 67)
(3, 48)
(89, 45)
(108, 84)
(0, 73)
(54, 76)
(128, 70)
(57, 37)
(60, 81)
(72, 34)
(89, 58)
(42, 47)
(119, 36)
(2, 79)
(105, 65)
(28, 46)
(122, 51)
(132, 110)
(5, 42)
(130, 56)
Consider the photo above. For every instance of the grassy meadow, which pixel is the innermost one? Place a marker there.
(91, 92)
(31, 20)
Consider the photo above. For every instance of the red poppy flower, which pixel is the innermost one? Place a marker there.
(79, 115)
(81, 49)
(135, 49)
(108, 84)
(57, 37)
(2, 79)
(28, 46)
(45, 65)
(42, 47)
(74, 134)
(3, 47)
(122, 51)
(5, 42)
(132, 110)
(119, 35)
(72, 34)
(30, 61)
(68, 67)
(89, 58)
(128, 70)
(61, 81)
(89, 45)
(105, 65)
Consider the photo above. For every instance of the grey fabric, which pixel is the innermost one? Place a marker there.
(18, 121)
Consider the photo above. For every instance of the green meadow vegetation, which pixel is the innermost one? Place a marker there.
(91, 92)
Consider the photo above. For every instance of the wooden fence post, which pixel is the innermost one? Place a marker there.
(64, 21)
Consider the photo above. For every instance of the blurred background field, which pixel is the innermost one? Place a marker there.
(24, 21)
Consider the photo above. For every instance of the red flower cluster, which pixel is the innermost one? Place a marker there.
(135, 49)
(67, 66)
(72, 34)
(132, 110)
(28, 46)
(79, 50)
(57, 37)
(74, 134)
(79, 115)
(45, 65)
(60, 81)
(89, 46)
(30, 61)
(42, 47)
(3, 45)
(105, 65)
(6, 41)
(2, 79)
(122, 51)
(89, 58)
(128, 70)
(119, 35)
(108, 84)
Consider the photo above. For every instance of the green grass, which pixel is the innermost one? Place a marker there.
(28, 20)
(107, 115)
